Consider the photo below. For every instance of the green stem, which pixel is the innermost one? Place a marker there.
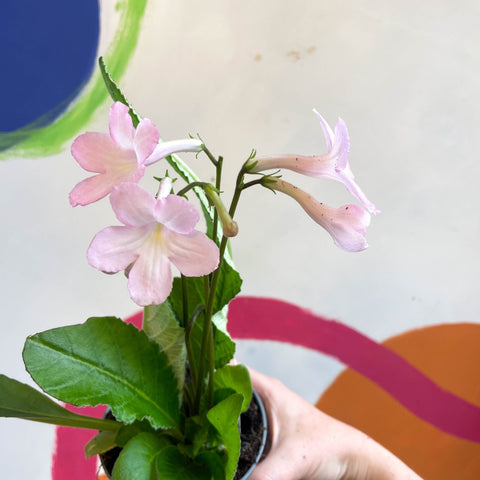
(204, 358)
(183, 191)
(184, 300)
(211, 365)
(218, 181)
(259, 181)
(188, 345)
(207, 340)
(207, 348)
(210, 155)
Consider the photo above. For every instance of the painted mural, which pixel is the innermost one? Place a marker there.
(416, 392)
(55, 87)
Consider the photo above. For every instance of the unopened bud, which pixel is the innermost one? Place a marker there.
(229, 226)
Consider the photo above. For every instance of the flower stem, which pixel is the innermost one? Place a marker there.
(207, 358)
(210, 155)
(183, 191)
(190, 356)
(184, 300)
(208, 340)
(218, 181)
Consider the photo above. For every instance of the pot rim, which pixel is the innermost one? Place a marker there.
(262, 451)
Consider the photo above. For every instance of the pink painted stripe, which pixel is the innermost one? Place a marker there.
(269, 319)
(69, 462)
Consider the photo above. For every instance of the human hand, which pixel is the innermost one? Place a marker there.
(307, 444)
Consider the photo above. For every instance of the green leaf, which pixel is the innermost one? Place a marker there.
(127, 432)
(215, 462)
(195, 293)
(161, 327)
(237, 378)
(115, 92)
(224, 417)
(22, 401)
(171, 464)
(229, 285)
(196, 432)
(137, 460)
(102, 442)
(224, 345)
(106, 362)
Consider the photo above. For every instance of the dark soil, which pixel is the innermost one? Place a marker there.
(108, 459)
(251, 433)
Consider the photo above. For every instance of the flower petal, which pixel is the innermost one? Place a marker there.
(145, 140)
(347, 225)
(94, 151)
(121, 126)
(164, 149)
(194, 254)
(327, 131)
(150, 279)
(115, 248)
(341, 145)
(347, 178)
(132, 204)
(91, 189)
(176, 213)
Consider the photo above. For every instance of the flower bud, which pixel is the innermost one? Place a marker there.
(229, 226)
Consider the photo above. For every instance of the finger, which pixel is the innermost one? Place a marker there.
(272, 468)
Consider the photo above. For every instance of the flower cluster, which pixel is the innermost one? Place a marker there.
(160, 231)
(175, 396)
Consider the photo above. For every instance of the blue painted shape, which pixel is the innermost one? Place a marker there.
(48, 50)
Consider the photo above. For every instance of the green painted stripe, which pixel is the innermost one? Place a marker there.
(34, 142)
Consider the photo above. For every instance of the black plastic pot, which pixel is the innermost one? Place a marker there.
(253, 426)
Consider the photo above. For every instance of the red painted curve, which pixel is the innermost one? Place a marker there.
(268, 319)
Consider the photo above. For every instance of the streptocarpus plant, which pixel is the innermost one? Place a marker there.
(175, 396)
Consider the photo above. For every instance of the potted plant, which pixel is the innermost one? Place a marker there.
(174, 396)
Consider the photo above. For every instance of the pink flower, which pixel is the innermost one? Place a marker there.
(120, 156)
(156, 233)
(334, 164)
(347, 225)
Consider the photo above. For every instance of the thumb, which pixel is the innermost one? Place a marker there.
(273, 467)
